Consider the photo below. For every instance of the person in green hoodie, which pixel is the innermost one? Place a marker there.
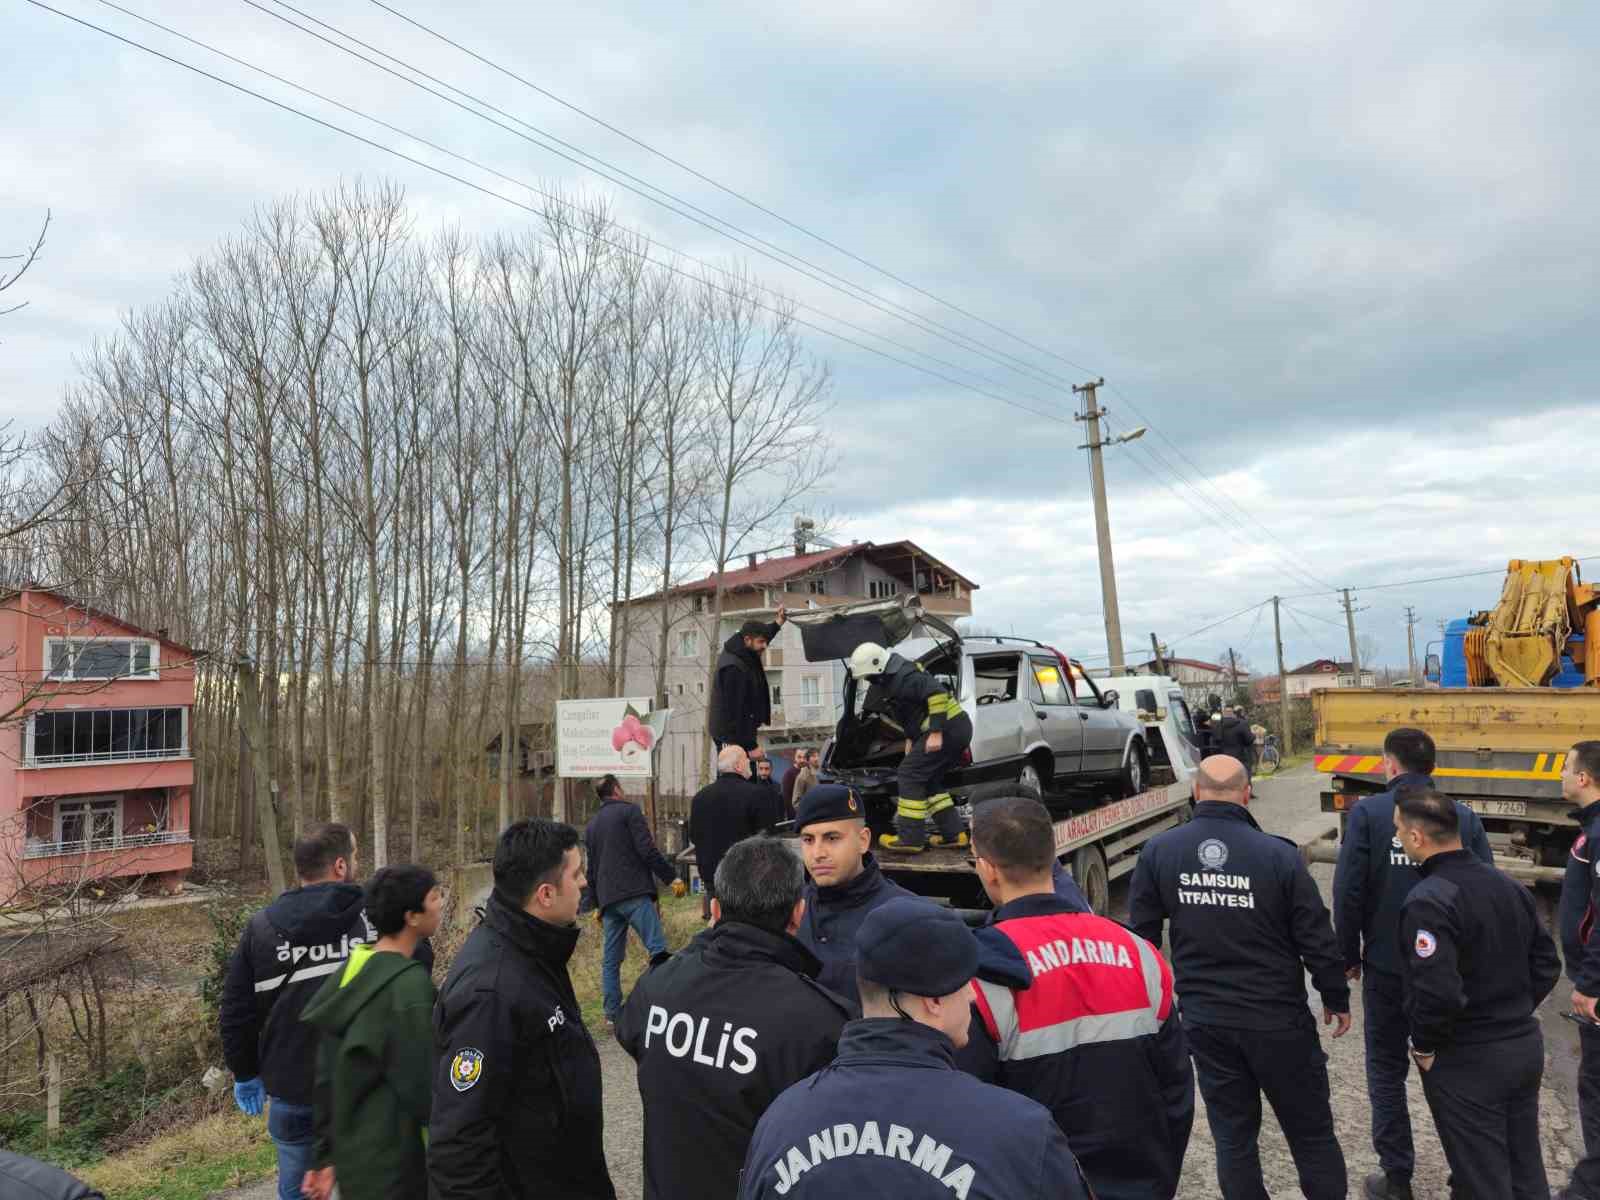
(375, 1058)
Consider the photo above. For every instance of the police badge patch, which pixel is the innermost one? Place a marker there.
(1426, 944)
(1213, 854)
(465, 1068)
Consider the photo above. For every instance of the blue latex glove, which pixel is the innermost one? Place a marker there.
(249, 1095)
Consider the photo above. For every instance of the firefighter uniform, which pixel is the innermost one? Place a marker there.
(1580, 905)
(1478, 962)
(891, 1116)
(1370, 884)
(921, 704)
(1247, 923)
(718, 1031)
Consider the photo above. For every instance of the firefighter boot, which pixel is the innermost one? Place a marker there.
(910, 834)
(947, 826)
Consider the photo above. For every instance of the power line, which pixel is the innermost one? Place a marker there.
(1372, 587)
(622, 247)
(1315, 617)
(1223, 621)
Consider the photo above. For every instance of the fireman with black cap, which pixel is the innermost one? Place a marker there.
(937, 733)
(892, 1116)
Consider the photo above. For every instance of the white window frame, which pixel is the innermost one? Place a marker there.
(811, 691)
(88, 803)
(688, 643)
(775, 690)
(71, 675)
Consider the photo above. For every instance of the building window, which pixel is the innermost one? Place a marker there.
(680, 689)
(775, 686)
(699, 604)
(102, 658)
(700, 688)
(811, 691)
(882, 589)
(106, 735)
(89, 822)
(817, 587)
(688, 644)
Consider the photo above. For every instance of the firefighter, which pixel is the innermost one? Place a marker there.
(892, 1116)
(937, 735)
(1478, 963)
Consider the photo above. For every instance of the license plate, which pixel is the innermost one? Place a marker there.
(1501, 808)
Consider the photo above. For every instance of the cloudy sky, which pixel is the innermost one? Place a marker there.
(1341, 258)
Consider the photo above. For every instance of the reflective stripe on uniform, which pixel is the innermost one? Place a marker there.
(277, 981)
(939, 803)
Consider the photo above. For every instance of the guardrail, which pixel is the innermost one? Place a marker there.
(135, 841)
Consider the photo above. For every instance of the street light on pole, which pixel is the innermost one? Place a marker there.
(1091, 415)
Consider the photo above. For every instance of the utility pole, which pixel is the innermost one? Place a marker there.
(1233, 677)
(1411, 644)
(1160, 659)
(1350, 624)
(1091, 414)
(250, 729)
(1283, 681)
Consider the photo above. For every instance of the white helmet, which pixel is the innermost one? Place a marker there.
(868, 659)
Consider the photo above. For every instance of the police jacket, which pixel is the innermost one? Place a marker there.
(1580, 902)
(834, 914)
(516, 1092)
(624, 862)
(727, 810)
(719, 1030)
(1065, 1002)
(1374, 877)
(28, 1179)
(1478, 959)
(892, 1117)
(913, 699)
(1247, 921)
(286, 951)
(741, 701)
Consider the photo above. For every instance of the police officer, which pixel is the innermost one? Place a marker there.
(846, 883)
(722, 1027)
(1097, 1003)
(516, 1094)
(937, 733)
(1478, 962)
(891, 1116)
(1370, 884)
(1247, 923)
(1580, 907)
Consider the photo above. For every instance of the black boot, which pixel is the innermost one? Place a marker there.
(1388, 1187)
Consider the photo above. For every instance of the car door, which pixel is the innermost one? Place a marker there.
(1059, 719)
(1105, 732)
(1004, 726)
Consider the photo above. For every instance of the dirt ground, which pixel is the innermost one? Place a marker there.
(1288, 806)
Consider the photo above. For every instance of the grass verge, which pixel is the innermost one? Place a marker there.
(679, 918)
(218, 1152)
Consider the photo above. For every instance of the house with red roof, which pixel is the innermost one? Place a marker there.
(98, 774)
(805, 696)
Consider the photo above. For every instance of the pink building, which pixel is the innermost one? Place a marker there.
(98, 769)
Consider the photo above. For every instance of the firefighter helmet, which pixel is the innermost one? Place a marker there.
(868, 659)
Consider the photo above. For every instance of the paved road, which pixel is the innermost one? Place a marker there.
(1288, 806)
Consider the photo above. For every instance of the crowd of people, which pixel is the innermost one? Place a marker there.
(831, 1034)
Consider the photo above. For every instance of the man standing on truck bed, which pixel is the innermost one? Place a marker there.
(937, 733)
(741, 700)
(1066, 1001)
(1370, 885)
(1580, 907)
(1478, 963)
(1247, 923)
(845, 883)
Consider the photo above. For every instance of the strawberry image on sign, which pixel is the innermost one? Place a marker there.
(632, 737)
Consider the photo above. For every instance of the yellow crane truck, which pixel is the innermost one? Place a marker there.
(1500, 748)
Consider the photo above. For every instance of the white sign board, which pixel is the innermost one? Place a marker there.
(608, 737)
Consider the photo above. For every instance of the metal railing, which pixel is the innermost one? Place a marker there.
(104, 756)
(130, 841)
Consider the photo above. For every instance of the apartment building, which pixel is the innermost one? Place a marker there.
(99, 772)
(805, 696)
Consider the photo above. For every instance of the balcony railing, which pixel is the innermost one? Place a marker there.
(131, 841)
(104, 756)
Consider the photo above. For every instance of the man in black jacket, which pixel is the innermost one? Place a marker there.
(1078, 1013)
(1236, 738)
(721, 1028)
(1370, 885)
(1580, 907)
(28, 1179)
(623, 867)
(1247, 923)
(741, 701)
(285, 953)
(846, 883)
(1478, 962)
(723, 812)
(516, 1097)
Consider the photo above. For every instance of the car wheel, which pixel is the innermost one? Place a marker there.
(1029, 780)
(1089, 873)
(1136, 772)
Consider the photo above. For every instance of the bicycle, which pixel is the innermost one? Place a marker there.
(1271, 756)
